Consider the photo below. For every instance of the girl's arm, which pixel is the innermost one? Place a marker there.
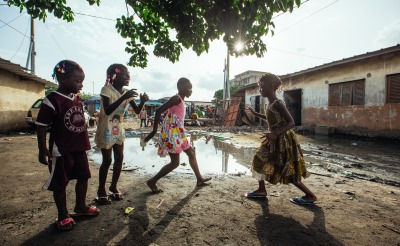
(109, 108)
(143, 98)
(256, 114)
(170, 103)
(44, 153)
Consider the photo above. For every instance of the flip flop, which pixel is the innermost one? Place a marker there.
(301, 201)
(254, 195)
(117, 196)
(103, 200)
(92, 211)
(67, 221)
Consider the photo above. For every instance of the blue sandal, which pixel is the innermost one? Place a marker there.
(301, 201)
(254, 195)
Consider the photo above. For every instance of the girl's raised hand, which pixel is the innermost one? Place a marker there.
(144, 97)
(269, 137)
(130, 93)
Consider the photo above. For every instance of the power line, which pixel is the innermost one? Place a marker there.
(12, 20)
(307, 17)
(289, 52)
(23, 39)
(14, 28)
(54, 39)
(93, 16)
(286, 12)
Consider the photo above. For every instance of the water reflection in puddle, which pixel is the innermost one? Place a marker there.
(213, 156)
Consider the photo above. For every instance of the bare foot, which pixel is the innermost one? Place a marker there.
(258, 193)
(309, 198)
(202, 181)
(153, 187)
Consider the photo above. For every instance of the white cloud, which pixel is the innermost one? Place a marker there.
(390, 35)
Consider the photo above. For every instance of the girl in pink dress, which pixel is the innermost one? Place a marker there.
(173, 138)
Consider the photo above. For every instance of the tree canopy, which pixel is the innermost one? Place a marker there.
(171, 25)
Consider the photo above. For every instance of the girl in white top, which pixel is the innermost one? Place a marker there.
(110, 134)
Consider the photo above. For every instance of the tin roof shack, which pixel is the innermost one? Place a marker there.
(359, 95)
(18, 91)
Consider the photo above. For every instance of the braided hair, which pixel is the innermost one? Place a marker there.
(271, 78)
(64, 68)
(112, 71)
(274, 80)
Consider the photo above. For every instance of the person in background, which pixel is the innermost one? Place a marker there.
(143, 117)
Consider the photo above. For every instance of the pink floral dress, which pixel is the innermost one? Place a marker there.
(173, 138)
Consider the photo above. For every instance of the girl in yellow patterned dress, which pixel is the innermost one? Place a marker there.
(173, 138)
(279, 158)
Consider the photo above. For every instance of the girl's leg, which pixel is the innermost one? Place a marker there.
(191, 153)
(103, 171)
(80, 192)
(309, 195)
(60, 198)
(152, 183)
(118, 159)
(80, 202)
(261, 191)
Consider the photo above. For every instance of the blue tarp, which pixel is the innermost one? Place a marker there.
(94, 99)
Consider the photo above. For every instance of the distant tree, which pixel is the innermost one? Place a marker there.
(84, 95)
(48, 89)
(169, 26)
(219, 94)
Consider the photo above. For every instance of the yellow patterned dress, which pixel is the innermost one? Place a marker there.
(282, 161)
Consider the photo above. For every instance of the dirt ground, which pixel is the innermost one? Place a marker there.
(348, 212)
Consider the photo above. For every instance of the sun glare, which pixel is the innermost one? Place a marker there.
(239, 46)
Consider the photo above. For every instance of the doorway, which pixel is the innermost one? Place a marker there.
(293, 103)
(256, 105)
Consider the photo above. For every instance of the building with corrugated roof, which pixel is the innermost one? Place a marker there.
(359, 95)
(19, 90)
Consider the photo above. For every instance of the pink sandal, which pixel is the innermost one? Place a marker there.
(67, 221)
(92, 211)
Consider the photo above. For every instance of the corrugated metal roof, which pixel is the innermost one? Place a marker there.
(393, 49)
(18, 70)
(367, 55)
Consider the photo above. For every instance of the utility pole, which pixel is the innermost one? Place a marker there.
(31, 52)
(93, 88)
(227, 91)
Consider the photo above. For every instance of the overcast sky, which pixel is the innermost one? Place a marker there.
(318, 32)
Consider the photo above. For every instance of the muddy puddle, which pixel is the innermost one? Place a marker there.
(377, 161)
(216, 155)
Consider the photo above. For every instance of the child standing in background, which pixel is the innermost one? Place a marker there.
(279, 159)
(143, 117)
(173, 138)
(110, 134)
(68, 143)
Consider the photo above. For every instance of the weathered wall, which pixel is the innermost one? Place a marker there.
(16, 97)
(375, 118)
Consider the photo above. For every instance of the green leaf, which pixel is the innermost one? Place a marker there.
(194, 24)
